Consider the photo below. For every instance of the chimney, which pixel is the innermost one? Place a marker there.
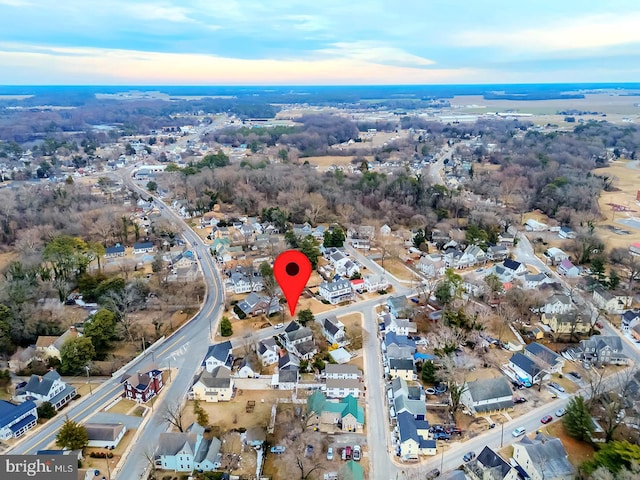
(40, 378)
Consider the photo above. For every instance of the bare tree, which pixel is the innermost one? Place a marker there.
(173, 414)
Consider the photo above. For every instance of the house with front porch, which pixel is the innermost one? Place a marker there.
(557, 303)
(414, 438)
(16, 420)
(268, 350)
(212, 386)
(432, 265)
(566, 323)
(568, 269)
(46, 388)
(611, 302)
(543, 458)
(143, 386)
(336, 291)
(188, 451)
(603, 350)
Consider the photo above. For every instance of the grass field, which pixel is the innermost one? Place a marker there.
(123, 406)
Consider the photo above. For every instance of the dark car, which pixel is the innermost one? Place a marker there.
(546, 419)
(441, 436)
(519, 400)
(432, 474)
(469, 456)
(575, 375)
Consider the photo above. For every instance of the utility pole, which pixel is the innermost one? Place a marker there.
(442, 460)
(502, 434)
(86, 367)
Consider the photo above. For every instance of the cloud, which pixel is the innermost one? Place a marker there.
(375, 52)
(16, 3)
(111, 66)
(151, 12)
(588, 32)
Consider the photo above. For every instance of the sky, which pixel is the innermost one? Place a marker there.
(307, 42)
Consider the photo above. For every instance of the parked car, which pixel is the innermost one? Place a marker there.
(519, 400)
(330, 453)
(432, 474)
(278, 326)
(441, 436)
(575, 375)
(469, 456)
(546, 419)
(308, 451)
(518, 432)
(356, 453)
(347, 451)
(560, 412)
(278, 449)
(556, 386)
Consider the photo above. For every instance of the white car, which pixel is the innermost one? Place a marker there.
(518, 432)
(356, 453)
(560, 412)
(279, 326)
(330, 453)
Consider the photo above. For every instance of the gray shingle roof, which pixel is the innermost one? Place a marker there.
(488, 389)
(526, 364)
(543, 353)
(549, 456)
(103, 432)
(41, 385)
(219, 377)
(171, 443)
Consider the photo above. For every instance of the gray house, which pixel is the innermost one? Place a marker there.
(490, 395)
(603, 350)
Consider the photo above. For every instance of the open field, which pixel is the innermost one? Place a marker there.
(627, 179)
(398, 269)
(123, 406)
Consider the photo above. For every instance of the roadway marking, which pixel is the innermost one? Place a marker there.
(171, 345)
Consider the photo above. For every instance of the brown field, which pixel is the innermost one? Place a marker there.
(326, 161)
(397, 269)
(123, 406)
(627, 179)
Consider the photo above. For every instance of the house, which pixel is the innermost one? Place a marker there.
(407, 398)
(375, 283)
(566, 232)
(526, 370)
(398, 306)
(105, 435)
(611, 302)
(267, 350)
(250, 367)
(256, 304)
(472, 255)
(497, 253)
(285, 379)
(333, 331)
(16, 420)
(22, 358)
(516, 268)
(547, 358)
(337, 291)
(543, 458)
(635, 248)
(212, 386)
(398, 346)
(385, 230)
(488, 465)
(346, 414)
(142, 387)
(506, 240)
(486, 396)
(302, 230)
(188, 451)
(432, 265)
(635, 332)
(399, 326)
(557, 304)
(255, 436)
(414, 438)
(50, 346)
(361, 242)
(603, 350)
(47, 388)
(403, 368)
(346, 372)
(567, 323)
(342, 264)
(113, 252)
(532, 281)
(532, 225)
(142, 247)
(299, 340)
(555, 255)
(568, 269)
(218, 355)
(342, 387)
(629, 319)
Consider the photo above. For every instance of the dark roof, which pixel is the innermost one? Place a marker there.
(543, 353)
(330, 325)
(140, 245)
(219, 377)
(407, 427)
(490, 459)
(401, 364)
(526, 364)
(549, 456)
(115, 249)
(219, 351)
(630, 315)
(401, 340)
(511, 264)
(266, 344)
(40, 385)
(288, 376)
(10, 411)
(482, 390)
(103, 432)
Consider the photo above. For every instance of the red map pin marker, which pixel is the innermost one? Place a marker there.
(292, 270)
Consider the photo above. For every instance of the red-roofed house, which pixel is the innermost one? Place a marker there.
(357, 284)
(635, 248)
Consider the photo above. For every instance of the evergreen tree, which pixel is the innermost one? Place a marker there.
(72, 435)
(226, 330)
(577, 419)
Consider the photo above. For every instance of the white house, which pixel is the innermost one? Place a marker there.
(47, 388)
(531, 281)
(611, 302)
(375, 283)
(555, 255)
(344, 371)
(342, 264)
(414, 438)
(105, 435)
(557, 304)
(188, 451)
(432, 265)
(333, 330)
(142, 247)
(568, 269)
(385, 230)
(212, 386)
(543, 458)
(49, 346)
(267, 350)
(218, 355)
(337, 291)
(16, 420)
(342, 387)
